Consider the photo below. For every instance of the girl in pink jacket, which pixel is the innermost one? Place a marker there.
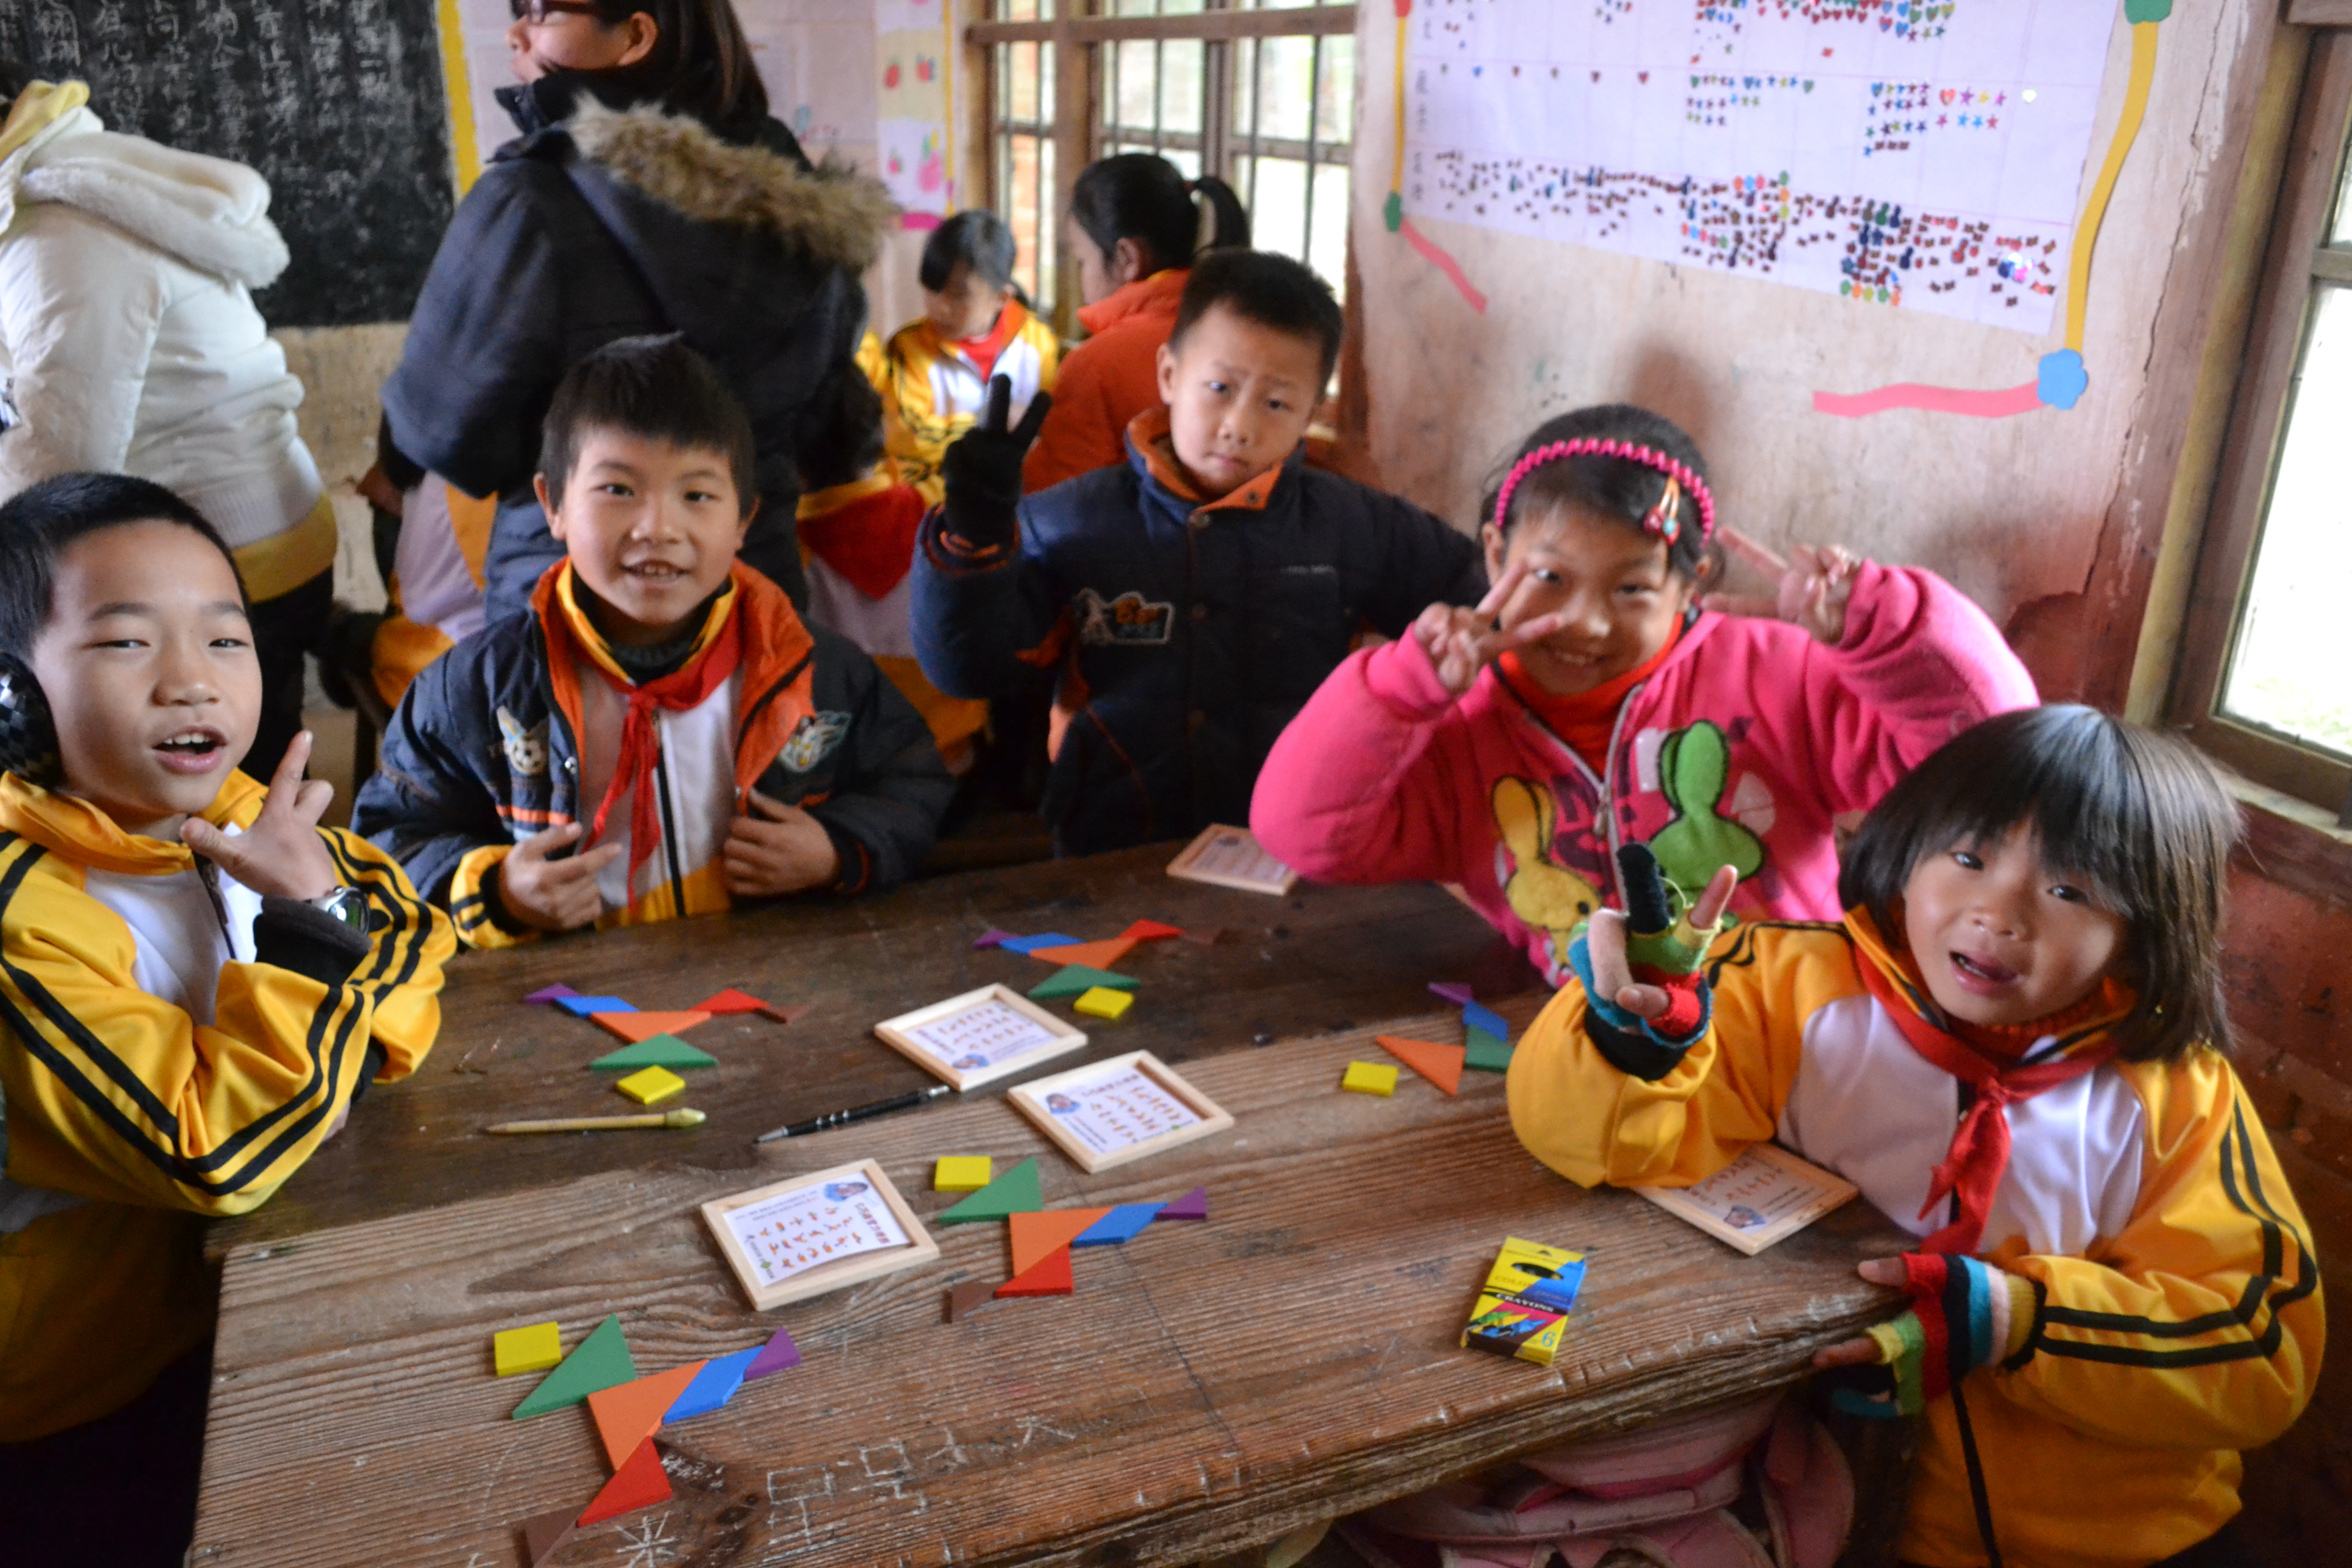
(1591, 701)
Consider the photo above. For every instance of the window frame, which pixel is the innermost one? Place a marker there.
(2296, 264)
(1076, 31)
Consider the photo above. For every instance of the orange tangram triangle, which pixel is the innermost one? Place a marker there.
(1050, 1278)
(1093, 954)
(637, 1026)
(640, 1483)
(1441, 1065)
(1035, 1234)
(628, 1412)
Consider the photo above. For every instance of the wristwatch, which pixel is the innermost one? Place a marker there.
(348, 905)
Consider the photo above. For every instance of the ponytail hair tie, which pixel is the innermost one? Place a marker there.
(1663, 520)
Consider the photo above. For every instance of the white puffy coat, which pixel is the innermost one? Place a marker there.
(130, 342)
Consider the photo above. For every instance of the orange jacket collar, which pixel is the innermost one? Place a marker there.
(80, 832)
(1155, 295)
(1148, 435)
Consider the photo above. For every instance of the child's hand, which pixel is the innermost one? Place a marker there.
(281, 854)
(981, 471)
(782, 850)
(1965, 1313)
(1461, 642)
(550, 894)
(1816, 583)
(1862, 1350)
(1612, 974)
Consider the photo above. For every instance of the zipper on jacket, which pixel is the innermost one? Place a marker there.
(1605, 805)
(668, 825)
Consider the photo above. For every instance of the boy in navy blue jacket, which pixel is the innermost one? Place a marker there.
(1194, 596)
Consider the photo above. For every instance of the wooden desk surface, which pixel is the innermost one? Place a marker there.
(1207, 1387)
(1321, 958)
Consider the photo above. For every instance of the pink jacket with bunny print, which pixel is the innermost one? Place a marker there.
(1739, 751)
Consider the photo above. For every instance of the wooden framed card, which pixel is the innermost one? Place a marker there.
(980, 1036)
(1108, 1112)
(807, 1234)
(1765, 1195)
(1230, 858)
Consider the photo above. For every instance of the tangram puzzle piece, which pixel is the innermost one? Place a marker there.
(628, 1414)
(541, 998)
(730, 1001)
(713, 1386)
(533, 1349)
(1475, 1016)
(964, 1298)
(1194, 1205)
(1047, 1230)
(777, 1355)
(640, 1483)
(1097, 954)
(1441, 1065)
(660, 1051)
(1102, 1002)
(785, 1014)
(1076, 979)
(962, 1173)
(1488, 1053)
(1015, 1192)
(1149, 930)
(1119, 1227)
(636, 1027)
(1453, 990)
(1207, 938)
(651, 1086)
(581, 1006)
(1370, 1078)
(1031, 943)
(1050, 1278)
(600, 1361)
(991, 937)
(542, 1534)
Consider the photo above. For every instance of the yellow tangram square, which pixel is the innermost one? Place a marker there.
(533, 1349)
(962, 1173)
(1102, 1002)
(656, 1084)
(1370, 1078)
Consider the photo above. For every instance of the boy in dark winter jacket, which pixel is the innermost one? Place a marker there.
(663, 735)
(1199, 592)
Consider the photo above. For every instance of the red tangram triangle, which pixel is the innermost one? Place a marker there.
(627, 1414)
(730, 1001)
(1093, 954)
(1149, 930)
(640, 1483)
(637, 1027)
(1050, 1278)
(1035, 1234)
(1441, 1065)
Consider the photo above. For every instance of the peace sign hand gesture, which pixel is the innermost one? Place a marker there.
(1461, 642)
(1816, 584)
(981, 471)
(281, 854)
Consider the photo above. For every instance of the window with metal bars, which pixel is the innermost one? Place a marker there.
(1260, 92)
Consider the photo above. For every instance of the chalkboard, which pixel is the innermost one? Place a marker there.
(338, 104)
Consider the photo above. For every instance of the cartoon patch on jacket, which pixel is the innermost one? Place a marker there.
(525, 749)
(1705, 834)
(813, 740)
(1543, 892)
(1129, 620)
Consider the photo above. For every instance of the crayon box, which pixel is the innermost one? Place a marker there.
(1524, 1305)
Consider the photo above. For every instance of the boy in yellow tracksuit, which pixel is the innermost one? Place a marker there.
(2014, 1045)
(196, 982)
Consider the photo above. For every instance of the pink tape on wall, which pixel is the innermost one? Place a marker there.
(1435, 254)
(1998, 404)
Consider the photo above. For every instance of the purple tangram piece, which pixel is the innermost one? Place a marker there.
(1453, 992)
(777, 1354)
(991, 937)
(1194, 1205)
(546, 994)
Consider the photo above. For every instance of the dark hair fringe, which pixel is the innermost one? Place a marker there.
(653, 388)
(2140, 818)
(38, 523)
(1615, 488)
(1142, 196)
(700, 64)
(974, 237)
(1269, 288)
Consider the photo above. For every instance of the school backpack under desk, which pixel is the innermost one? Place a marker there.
(1673, 1494)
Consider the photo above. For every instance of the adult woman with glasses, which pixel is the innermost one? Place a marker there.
(649, 191)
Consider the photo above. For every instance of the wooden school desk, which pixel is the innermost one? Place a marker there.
(1207, 1387)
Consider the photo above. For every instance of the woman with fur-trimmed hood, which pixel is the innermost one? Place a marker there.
(649, 192)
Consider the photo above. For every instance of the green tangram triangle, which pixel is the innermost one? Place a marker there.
(1487, 1052)
(601, 1361)
(657, 1051)
(1015, 1192)
(1076, 979)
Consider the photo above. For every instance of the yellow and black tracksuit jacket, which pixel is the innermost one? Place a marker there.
(2179, 1318)
(172, 1045)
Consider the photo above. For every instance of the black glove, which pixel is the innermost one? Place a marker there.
(983, 470)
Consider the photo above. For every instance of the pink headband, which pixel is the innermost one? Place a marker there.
(1665, 520)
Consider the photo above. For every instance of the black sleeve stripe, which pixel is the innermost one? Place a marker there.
(411, 921)
(2262, 1289)
(194, 1170)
